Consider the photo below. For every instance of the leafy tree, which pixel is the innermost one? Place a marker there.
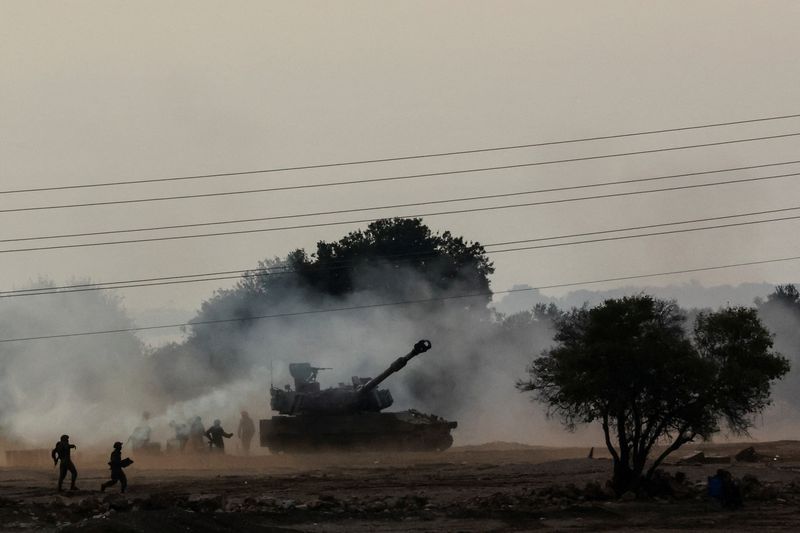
(630, 365)
(391, 260)
(781, 314)
(784, 294)
(387, 245)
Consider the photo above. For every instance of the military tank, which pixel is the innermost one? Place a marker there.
(348, 417)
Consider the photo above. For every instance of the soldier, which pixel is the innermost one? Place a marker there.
(140, 438)
(181, 434)
(246, 431)
(117, 463)
(196, 432)
(61, 452)
(215, 434)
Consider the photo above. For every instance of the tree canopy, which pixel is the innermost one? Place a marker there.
(780, 311)
(442, 261)
(391, 260)
(631, 365)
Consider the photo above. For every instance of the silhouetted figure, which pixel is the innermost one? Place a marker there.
(61, 452)
(724, 488)
(215, 434)
(246, 431)
(140, 438)
(181, 434)
(196, 433)
(117, 463)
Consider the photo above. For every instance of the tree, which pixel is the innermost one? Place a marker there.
(784, 294)
(631, 365)
(781, 314)
(443, 261)
(392, 260)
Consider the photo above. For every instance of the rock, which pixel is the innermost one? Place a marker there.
(287, 504)
(205, 502)
(717, 459)
(695, 458)
(121, 505)
(393, 502)
(377, 506)
(628, 496)
(593, 491)
(748, 455)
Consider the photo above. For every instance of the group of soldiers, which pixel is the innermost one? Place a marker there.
(190, 437)
(62, 454)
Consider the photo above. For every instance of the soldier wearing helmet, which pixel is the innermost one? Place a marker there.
(117, 463)
(214, 436)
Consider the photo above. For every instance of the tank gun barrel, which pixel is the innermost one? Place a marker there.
(420, 347)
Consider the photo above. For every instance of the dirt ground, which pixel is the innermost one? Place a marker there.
(493, 487)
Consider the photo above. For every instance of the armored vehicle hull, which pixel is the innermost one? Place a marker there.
(402, 431)
(349, 417)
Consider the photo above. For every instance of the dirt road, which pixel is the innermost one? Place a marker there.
(488, 488)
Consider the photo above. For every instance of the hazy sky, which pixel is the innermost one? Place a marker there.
(99, 91)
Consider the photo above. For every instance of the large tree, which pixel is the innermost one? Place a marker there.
(442, 261)
(631, 365)
(391, 260)
(780, 311)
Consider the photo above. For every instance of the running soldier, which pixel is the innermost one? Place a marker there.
(117, 463)
(61, 452)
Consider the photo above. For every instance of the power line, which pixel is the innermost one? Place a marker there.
(652, 234)
(229, 274)
(400, 158)
(60, 289)
(390, 178)
(418, 215)
(396, 206)
(483, 294)
(664, 224)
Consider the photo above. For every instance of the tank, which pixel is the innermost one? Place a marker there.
(349, 417)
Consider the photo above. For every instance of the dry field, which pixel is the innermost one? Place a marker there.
(485, 488)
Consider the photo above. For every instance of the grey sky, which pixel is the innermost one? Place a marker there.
(105, 91)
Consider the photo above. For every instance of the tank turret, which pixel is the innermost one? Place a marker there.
(349, 417)
(361, 395)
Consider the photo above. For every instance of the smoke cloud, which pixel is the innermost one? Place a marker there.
(96, 388)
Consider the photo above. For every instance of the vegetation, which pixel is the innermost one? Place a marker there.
(780, 312)
(631, 365)
(391, 260)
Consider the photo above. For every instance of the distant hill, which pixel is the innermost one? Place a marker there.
(495, 446)
(688, 295)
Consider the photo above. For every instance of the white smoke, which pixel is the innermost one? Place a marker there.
(95, 388)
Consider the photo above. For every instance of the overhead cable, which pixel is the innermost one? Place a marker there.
(483, 294)
(259, 272)
(390, 178)
(411, 204)
(417, 215)
(400, 158)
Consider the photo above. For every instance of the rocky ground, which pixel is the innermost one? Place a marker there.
(489, 488)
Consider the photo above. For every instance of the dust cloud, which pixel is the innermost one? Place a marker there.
(95, 388)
